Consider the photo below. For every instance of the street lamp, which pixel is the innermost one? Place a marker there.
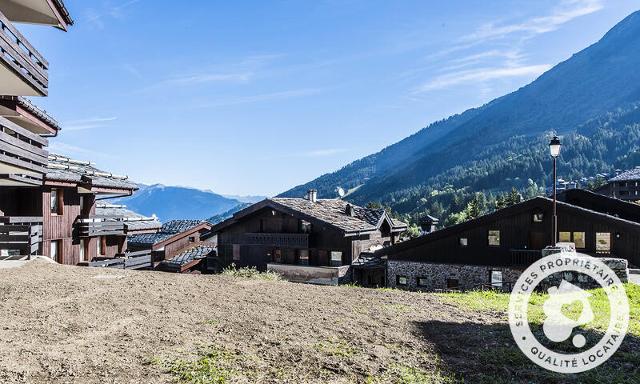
(554, 149)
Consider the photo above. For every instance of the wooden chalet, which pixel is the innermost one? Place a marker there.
(190, 260)
(173, 238)
(304, 239)
(494, 248)
(625, 186)
(24, 128)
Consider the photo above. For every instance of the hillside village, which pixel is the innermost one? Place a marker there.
(70, 213)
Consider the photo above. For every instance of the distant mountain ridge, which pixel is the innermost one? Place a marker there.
(173, 202)
(591, 99)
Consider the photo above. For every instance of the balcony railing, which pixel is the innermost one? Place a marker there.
(21, 235)
(524, 257)
(129, 260)
(21, 58)
(285, 240)
(99, 226)
(23, 152)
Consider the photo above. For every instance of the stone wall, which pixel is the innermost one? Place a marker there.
(435, 276)
(618, 266)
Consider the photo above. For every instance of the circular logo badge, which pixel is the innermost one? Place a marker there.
(566, 274)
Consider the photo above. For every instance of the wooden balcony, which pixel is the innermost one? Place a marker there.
(99, 226)
(23, 155)
(23, 70)
(21, 235)
(524, 257)
(129, 260)
(284, 240)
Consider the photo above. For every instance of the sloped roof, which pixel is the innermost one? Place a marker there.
(185, 257)
(25, 103)
(632, 174)
(168, 230)
(134, 222)
(62, 168)
(329, 211)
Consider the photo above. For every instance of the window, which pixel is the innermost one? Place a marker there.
(82, 250)
(579, 240)
(564, 237)
(236, 252)
(277, 256)
(192, 239)
(452, 283)
(336, 258)
(538, 217)
(402, 280)
(56, 201)
(101, 245)
(305, 226)
(423, 282)
(55, 250)
(494, 238)
(464, 242)
(603, 242)
(303, 256)
(496, 279)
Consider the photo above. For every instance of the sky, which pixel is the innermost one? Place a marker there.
(256, 97)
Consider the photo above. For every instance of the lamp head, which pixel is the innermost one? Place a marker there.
(554, 146)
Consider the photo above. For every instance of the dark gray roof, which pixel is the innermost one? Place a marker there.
(168, 229)
(62, 168)
(33, 109)
(133, 221)
(195, 253)
(630, 175)
(334, 211)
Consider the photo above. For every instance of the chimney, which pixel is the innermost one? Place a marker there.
(312, 195)
(349, 210)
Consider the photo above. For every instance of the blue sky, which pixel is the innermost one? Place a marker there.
(255, 97)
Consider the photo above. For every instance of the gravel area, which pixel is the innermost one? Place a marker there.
(64, 324)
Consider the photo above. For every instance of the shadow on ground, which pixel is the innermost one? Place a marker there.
(481, 353)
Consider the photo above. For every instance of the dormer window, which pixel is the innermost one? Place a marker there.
(538, 216)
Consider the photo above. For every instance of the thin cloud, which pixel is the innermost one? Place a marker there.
(95, 17)
(283, 95)
(90, 123)
(203, 78)
(562, 14)
(72, 150)
(326, 152)
(480, 75)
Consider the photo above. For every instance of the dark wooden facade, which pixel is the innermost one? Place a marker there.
(273, 235)
(523, 231)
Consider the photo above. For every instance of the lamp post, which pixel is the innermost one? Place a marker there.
(554, 149)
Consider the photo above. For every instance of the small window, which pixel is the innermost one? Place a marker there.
(453, 284)
(305, 226)
(564, 237)
(236, 252)
(579, 240)
(423, 282)
(56, 201)
(496, 279)
(192, 239)
(336, 258)
(55, 251)
(464, 241)
(303, 256)
(494, 238)
(538, 217)
(603, 242)
(402, 280)
(101, 246)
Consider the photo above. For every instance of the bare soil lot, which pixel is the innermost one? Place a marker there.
(64, 324)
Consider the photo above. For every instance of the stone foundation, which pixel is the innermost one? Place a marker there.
(435, 276)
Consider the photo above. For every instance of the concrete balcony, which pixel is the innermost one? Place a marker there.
(23, 155)
(23, 70)
(42, 12)
(20, 236)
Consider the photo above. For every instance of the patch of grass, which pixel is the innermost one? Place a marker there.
(338, 348)
(403, 374)
(250, 273)
(215, 366)
(397, 308)
(483, 301)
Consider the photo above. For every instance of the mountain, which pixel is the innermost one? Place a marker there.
(225, 215)
(251, 199)
(170, 203)
(591, 99)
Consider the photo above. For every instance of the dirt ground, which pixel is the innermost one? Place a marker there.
(65, 324)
